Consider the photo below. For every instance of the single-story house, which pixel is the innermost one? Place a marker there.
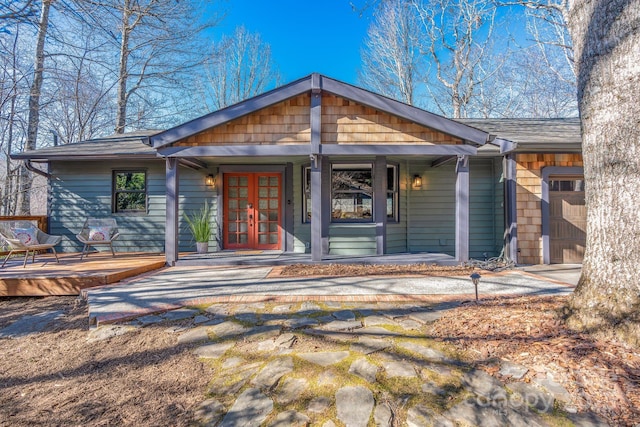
(327, 168)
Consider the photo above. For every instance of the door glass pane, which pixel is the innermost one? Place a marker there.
(262, 181)
(243, 181)
(273, 181)
(233, 215)
(233, 181)
(243, 204)
(262, 239)
(243, 239)
(233, 204)
(263, 216)
(273, 239)
(273, 192)
(243, 215)
(273, 204)
(263, 192)
(233, 226)
(273, 227)
(262, 227)
(244, 227)
(262, 204)
(233, 238)
(273, 215)
(233, 192)
(244, 192)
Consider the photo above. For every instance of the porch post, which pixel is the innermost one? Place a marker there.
(316, 208)
(462, 209)
(317, 166)
(511, 217)
(171, 217)
(380, 203)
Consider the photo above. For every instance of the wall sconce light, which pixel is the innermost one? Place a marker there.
(210, 180)
(417, 181)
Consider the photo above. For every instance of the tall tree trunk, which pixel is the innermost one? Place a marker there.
(26, 179)
(606, 36)
(123, 72)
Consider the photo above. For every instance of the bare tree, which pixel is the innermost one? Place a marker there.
(459, 42)
(158, 46)
(13, 86)
(33, 122)
(240, 67)
(525, 86)
(12, 10)
(606, 36)
(391, 60)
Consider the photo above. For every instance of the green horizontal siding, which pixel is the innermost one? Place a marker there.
(83, 189)
(352, 239)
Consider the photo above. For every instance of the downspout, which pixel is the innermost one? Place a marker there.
(30, 167)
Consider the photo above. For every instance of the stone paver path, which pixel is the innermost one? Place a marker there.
(340, 364)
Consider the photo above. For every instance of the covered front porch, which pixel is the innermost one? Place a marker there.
(293, 144)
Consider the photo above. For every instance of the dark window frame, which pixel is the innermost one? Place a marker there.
(393, 191)
(115, 192)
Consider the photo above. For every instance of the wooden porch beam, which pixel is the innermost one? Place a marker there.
(442, 160)
(398, 150)
(239, 150)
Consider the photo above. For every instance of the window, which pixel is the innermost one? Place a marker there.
(352, 193)
(129, 191)
(566, 184)
(392, 193)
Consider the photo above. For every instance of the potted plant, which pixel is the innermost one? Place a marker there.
(200, 225)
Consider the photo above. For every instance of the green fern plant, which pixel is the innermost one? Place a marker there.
(200, 223)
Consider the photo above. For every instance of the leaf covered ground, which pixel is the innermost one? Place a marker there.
(56, 377)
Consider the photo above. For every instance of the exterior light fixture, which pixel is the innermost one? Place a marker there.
(417, 181)
(210, 180)
(475, 278)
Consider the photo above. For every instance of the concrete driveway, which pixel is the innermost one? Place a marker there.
(567, 273)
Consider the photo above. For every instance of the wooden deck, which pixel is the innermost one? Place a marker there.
(46, 277)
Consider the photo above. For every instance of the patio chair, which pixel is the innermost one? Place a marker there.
(25, 237)
(98, 232)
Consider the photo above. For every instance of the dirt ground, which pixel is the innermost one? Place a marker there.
(57, 378)
(145, 378)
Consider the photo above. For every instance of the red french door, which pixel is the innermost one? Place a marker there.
(252, 211)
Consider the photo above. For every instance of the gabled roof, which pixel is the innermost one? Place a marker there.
(317, 82)
(134, 144)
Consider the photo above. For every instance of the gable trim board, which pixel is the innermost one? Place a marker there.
(461, 210)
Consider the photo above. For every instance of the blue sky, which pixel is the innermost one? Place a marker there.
(305, 36)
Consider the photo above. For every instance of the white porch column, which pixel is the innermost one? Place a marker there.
(171, 216)
(462, 209)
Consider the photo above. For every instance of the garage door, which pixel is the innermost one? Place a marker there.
(567, 219)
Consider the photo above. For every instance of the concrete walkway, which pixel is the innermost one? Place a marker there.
(175, 287)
